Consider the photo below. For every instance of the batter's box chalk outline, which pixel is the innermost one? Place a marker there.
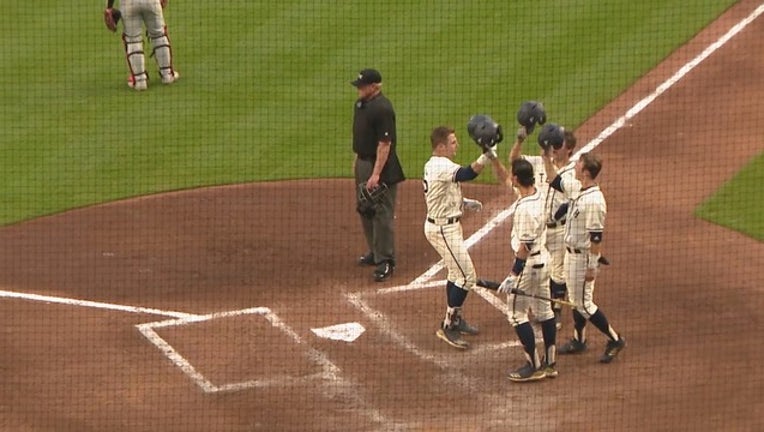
(329, 371)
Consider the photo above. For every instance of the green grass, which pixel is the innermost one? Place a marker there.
(739, 203)
(264, 92)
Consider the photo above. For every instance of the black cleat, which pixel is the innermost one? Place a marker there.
(383, 271)
(612, 349)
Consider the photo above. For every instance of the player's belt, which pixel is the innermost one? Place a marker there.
(555, 224)
(574, 250)
(535, 253)
(444, 221)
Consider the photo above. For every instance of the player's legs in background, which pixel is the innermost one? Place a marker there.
(133, 43)
(160, 42)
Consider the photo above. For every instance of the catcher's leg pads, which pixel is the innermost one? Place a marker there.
(162, 53)
(135, 57)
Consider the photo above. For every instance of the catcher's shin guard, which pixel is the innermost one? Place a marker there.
(135, 61)
(162, 53)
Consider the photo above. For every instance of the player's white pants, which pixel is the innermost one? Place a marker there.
(533, 280)
(580, 292)
(448, 241)
(163, 54)
(555, 244)
(136, 14)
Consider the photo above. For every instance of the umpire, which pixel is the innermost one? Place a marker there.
(376, 166)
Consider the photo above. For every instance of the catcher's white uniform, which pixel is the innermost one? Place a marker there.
(136, 14)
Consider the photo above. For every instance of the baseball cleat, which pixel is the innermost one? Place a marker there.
(171, 77)
(526, 373)
(572, 347)
(137, 85)
(452, 337)
(612, 349)
(464, 328)
(550, 371)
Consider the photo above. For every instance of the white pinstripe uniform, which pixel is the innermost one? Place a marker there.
(442, 228)
(586, 215)
(529, 228)
(553, 199)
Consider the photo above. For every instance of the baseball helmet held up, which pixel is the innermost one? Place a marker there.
(551, 136)
(484, 130)
(530, 114)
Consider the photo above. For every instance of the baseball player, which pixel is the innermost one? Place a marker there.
(135, 14)
(583, 247)
(557, 145)
(445, 206)
(530, 274)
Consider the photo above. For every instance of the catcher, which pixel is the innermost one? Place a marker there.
(134, 15)
(445, 207)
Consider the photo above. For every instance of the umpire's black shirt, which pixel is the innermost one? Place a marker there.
(374, 121)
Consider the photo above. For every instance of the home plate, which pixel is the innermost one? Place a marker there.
(347, 332)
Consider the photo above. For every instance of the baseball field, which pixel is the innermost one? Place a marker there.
(183, 258)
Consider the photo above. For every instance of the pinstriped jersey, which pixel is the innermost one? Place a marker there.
(442, 193)
(528, 222)
(553, 198)
(586, 215)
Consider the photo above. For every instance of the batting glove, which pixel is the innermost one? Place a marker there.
(472, 205)
(508, 285)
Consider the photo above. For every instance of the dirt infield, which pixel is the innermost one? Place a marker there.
(192, 311)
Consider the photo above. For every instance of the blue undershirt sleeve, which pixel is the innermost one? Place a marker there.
(465, 173)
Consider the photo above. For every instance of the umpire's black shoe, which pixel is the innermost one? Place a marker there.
(383, 271)
(366, 260)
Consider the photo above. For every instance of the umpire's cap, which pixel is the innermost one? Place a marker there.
(366, 77)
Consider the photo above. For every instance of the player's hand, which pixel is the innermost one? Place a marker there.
(522, 134)
(508, 285)
(472, 205)
(372, 183)
(491, 152)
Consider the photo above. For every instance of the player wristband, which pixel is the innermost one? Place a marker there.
(518, 267)
(483, 160)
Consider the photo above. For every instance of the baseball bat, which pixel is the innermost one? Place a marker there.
(493, 286)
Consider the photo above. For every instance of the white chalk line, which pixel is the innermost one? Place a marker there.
(93, 304)
(329, 372)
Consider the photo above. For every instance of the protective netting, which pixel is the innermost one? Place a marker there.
(186, 257)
